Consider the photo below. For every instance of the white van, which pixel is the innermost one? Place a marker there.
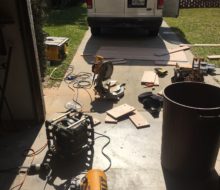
(146, 14)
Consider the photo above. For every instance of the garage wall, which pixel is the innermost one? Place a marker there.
(24, 93)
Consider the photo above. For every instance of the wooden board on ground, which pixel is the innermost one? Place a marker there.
(120, 111)
(138, 120)
(136, 53)
(109, 119)
(165, 63)
(150, 77)
(200, 45)
(96, 121)
(213, 56)
(183, 48)
(156, 82)
(184, 65)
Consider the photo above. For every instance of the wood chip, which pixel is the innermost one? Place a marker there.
(213, 57)
(120, 111)
(173, 51)
(138, 120)
(96, 121)
(109, 119)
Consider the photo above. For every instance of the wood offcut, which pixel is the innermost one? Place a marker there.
(173, 51)
(138, 120)
(120, 111)
(150, 77)
(213, 56)
(109, 119)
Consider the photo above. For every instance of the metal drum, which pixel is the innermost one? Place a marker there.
(191, 128)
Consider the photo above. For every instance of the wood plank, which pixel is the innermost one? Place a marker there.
(140, 54)
(200, 45)
(156, 82)
(109, 119)
(138, 120)
(213, 56)
(165, 63)
(184, 65)
(173, 51)
(120, 111)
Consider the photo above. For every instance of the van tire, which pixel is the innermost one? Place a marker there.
(154, 32)
(95, 31)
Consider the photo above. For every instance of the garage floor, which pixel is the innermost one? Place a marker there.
(135, 154)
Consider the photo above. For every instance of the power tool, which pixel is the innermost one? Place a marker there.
(102, 73)
(94, 180)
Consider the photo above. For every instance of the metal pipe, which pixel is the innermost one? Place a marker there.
(76, 123)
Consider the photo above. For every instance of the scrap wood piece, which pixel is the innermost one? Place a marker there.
(138, 120)
(165, 63)
(200, 45)
(120, 111)
(173, 51)
(96, 121)
(150, 77)
(161, 93)
(213, 56)
(184, 65)
(109, 119)
(156, 82)
(139, 53)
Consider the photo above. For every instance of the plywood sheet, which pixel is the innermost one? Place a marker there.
(213, 57)
(109, 119)
(138, 120)
(140, 54)
(173, 51)
(119, 111)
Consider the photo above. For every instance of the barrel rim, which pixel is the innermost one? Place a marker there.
(190, 107)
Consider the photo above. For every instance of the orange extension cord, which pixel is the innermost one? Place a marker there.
(27, 154)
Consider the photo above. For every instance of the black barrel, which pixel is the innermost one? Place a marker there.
(191, 128)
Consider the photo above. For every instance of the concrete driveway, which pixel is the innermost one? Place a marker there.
(135, 154)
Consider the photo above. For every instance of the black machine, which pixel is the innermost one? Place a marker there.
(70, 134)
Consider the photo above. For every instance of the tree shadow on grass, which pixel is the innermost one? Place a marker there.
(70, 15)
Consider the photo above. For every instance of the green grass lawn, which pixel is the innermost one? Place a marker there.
(71, 23)
(199, 26)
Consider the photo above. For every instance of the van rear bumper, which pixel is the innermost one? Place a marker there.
(146, 22)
